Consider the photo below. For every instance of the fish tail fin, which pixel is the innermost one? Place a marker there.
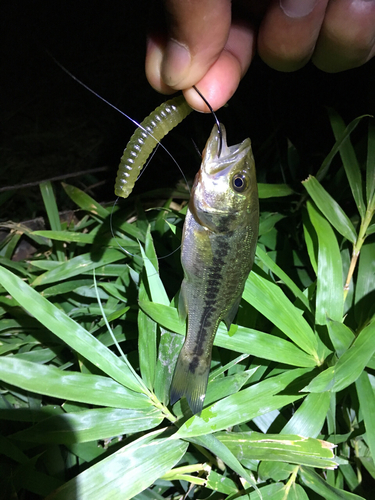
(190, 379)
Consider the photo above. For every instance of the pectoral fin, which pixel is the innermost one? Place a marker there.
(190, 380)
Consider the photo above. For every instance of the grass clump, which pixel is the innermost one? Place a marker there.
(90, 333)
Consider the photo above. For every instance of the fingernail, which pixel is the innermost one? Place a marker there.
(297, 8)
(176, 63)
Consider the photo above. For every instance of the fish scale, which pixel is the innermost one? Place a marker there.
(218, 248)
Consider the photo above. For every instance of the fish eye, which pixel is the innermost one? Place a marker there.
(239, 182)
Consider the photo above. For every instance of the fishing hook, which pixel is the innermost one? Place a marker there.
(216, 119)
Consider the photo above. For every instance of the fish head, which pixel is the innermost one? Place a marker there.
(225, 194)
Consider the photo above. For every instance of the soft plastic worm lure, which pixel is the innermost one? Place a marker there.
(153, 128)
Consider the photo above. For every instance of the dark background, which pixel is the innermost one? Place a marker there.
(52, 126)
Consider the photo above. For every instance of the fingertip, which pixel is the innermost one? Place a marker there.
(222, 79)
(175, 64)
(217, 86)
(153, 64)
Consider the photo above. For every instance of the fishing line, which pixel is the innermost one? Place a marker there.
(138, 125)
(216, 119)
(117, 240)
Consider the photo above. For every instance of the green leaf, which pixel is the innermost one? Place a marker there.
(239, 338)
(349, 158)
(339, 142)
(349, 367)
(169, 349)
(221, 451)
(150, 249)
(330, 288)
(66, 287)
(164, 315)
(311, 241)
(370, 168)
(243, 406)
(77, 265)
(218, 482)
(270, 300)
(308, 420)
(126, 472)
(299, 450)
(267, 222)
(68, 330)
(157, 290)
(225, 386)
(53, 214)
(273, 491)
(147, 326)
(74, 386)
(84, 238)
(120, 226)
(330, 209)
(11, 450)
(366, 397)
(341, 336)
(91, 425)
(369, 465)
(278, 471)
(272, 266)
(26, 477)
(273, 190)
(147, 331)
(295, 492)
(365, 286)
(262, 345)
(85, 201)
(315, 482)
(350, 476)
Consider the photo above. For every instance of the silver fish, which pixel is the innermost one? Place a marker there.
(218, 248)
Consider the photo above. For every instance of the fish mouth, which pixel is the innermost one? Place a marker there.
(217, 143)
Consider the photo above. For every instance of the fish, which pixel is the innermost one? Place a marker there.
(217, 253)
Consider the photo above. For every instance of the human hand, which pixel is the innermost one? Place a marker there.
(209, 48)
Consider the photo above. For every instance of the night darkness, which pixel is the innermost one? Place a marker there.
(51, 126)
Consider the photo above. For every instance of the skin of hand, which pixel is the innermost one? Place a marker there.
(211, 43)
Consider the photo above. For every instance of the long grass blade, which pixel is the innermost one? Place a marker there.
(330, 209)
(286, 448)
(68, 330)
(348, 156)
(243, 406)
(349, 367)
(126, 472)
(73, 386)
(53, 214)
(90, 425)
(270, 300)
(330, 286)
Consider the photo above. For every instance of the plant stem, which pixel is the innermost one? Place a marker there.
(365, 222)
(291, 480)
(161, 407)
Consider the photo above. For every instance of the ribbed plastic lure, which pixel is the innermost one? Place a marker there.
(218, 248)
(153, 128)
